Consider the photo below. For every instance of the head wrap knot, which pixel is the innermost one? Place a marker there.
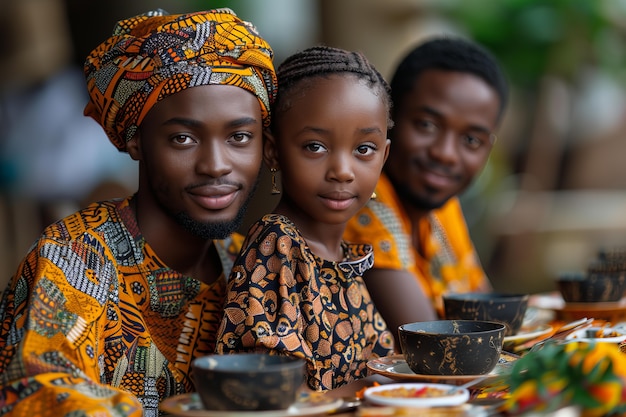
(154, 55)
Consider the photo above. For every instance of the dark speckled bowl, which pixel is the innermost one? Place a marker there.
(248, 381)
(501, 307)
(593, 287)
(452, 347)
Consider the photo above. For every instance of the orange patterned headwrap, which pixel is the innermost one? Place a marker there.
(154, 55)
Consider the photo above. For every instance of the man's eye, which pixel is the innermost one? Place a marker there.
(242, 137)
(474, 141)
(182, 139)
(426, 126)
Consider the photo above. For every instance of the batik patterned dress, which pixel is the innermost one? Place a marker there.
(95, 323)
(283, 298)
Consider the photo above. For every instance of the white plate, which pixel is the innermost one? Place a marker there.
(395, 367)
(588, 335)
(190, 405)
(527, 333)
(456, 397)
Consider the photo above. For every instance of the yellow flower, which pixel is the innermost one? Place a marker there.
(609, 393)
(590, 375)
(529, 395)
(604, 353)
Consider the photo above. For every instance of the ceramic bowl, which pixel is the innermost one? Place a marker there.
(593, 287)
(248, 381)
(508, 309)
(452, 347)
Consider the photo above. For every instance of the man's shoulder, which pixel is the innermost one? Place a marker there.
(450, 215)
(100, 217)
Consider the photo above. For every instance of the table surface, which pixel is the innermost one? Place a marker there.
(366, 410)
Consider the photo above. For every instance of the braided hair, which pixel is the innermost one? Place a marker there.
(321, 61)
(453, 54)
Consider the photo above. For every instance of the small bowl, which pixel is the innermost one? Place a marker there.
(508, 309)
(591, 287)
(452, 347)
(403, 395)
(248, 381)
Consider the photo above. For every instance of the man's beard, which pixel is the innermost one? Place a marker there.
(215, 230)
(418, 201)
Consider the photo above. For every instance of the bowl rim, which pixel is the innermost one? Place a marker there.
(203, 363)
(493, 296)
(498, 326)
(588, 279)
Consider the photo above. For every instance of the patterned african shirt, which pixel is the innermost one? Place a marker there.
(283, 298)
(95, 323)
(447, 261)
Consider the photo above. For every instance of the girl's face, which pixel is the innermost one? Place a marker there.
(330, 144)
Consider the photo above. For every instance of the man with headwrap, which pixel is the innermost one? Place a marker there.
(112, 303)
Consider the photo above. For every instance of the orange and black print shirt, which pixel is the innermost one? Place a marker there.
(95, 323)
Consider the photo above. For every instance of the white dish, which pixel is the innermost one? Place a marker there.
(190, 405)
(527, 333)
(590, 334)
(447, 397)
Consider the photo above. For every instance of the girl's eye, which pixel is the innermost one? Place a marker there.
(366, 150)
(315, 147)
(183, 140)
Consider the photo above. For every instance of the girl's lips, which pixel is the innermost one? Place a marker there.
(335, 204)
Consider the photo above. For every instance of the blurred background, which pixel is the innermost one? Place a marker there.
(551, 196)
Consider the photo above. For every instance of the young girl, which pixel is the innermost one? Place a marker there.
(297, 287)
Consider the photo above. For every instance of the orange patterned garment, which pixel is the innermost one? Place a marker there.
(447, 261)
(94, 322)
(284, 299)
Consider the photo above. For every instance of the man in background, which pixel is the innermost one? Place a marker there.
(449, 97)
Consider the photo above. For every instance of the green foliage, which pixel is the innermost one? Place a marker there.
(536, 37)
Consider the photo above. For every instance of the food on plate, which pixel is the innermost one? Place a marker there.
(421, 392)
(464, 410)
(599, 334)
(417, 395)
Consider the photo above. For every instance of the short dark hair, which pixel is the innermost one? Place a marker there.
(453, 54)
(321, 61)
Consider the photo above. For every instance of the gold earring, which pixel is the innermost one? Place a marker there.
(275, 189)
(373, 196)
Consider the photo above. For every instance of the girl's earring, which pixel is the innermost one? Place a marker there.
(373, 196)
(275, 189)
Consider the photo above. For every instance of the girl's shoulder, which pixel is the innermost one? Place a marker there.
(274, 227)
(277, 224)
